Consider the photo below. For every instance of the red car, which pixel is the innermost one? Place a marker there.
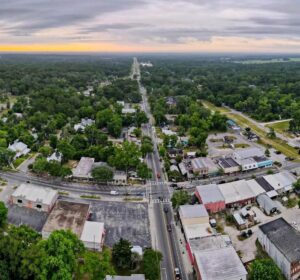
(158, 176)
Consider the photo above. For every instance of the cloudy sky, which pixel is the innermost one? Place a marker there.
(150, 25)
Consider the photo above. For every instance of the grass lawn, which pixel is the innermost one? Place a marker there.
(282, 127)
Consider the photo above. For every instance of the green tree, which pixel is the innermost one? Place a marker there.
(67, 150)
(151, 264)
(143, 171)
(271, 134)
(121, 254)
(125, 157)
(296, 185)
(3, 214)
(45, 151)
(264, 269)
(6, 157)
(40, 165)
(180, 198)
(95, 267)
(102, 173)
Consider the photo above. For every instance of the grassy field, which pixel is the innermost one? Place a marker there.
(277, 143)
(282, 127)
(214, 108)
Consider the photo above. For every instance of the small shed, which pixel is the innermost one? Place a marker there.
(267, 204)
(240, 222)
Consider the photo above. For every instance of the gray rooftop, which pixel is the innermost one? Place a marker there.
(210, 243)
(249, 152)
(210, 193)
(220, 264)
(284, 237)
(192, 211)
(228, 162)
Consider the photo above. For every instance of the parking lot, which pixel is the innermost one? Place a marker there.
(216, 147)
(128, 220)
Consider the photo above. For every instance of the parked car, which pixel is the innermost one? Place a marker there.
(114, 193)
(169, 228)
(173, 185)
(158, 175)
(166, 209)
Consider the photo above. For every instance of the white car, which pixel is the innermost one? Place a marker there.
(114, 193)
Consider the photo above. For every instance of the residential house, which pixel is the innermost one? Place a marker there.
(20, 148)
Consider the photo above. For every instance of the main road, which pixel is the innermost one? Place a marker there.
(159, 197)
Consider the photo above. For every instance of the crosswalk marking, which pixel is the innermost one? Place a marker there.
(163, 201)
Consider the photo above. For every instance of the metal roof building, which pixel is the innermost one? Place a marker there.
(255, 187)
(211, 196)
(266, 203)
(84, 168)
(237, 192)
(282, 242)
(219, 264)
(282, 181)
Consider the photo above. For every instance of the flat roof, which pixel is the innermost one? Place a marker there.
(220, 264)
(256, 187)
(204, 162)
(280, 180)
(228, 162)
(84, 167)
(67, 215)
(92, 232)
(236, 191)
(284, 237)
(249, 152)
(264, 184)
(210, 243)
(197, 230)
(210, 193)
(192, 211)
(35, 193)
(261, 158)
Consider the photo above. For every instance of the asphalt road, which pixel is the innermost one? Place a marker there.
(166, 242)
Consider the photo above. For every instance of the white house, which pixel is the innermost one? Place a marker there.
(56, 156)
(20, 148)
(83, 124)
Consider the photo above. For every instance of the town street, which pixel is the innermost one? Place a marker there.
(159, 198)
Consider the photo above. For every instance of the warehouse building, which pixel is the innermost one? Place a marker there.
(256, 187)
(267, 204)
(207, 243)
(34, 197)
(267, 187)
(193, 214)
(219, 264)
(281, 182)
(211, 197)
(237, 193)
(282, 242)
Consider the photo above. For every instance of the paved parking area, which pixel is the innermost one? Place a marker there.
(25, 216)
(128, 220)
